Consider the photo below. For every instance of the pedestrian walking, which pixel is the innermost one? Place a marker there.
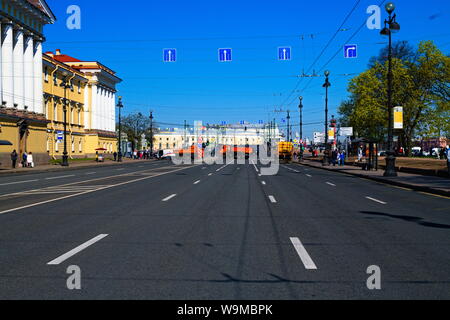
(115, 156)
(30, 162)
(14, 157)
(342, 158)
(360, 153)
(448, 158)
(24, 159)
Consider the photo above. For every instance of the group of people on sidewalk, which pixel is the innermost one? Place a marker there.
(338, 157)
(27, 159)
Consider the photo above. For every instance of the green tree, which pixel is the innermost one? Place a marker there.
(420, 85)
(135, 125)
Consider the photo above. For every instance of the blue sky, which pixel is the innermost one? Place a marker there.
(129, 38)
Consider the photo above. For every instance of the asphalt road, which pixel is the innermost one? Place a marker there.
(154, 230)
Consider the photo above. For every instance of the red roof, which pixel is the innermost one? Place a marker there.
(65, 58)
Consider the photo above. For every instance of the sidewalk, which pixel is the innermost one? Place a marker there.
(75, 165)
(434, 185)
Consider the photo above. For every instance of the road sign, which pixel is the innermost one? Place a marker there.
(319, 137)
(170, 55)
(284, 53)
(350, 51)
(346, 131)
(60, 135)
(225, 55)
(398, 118)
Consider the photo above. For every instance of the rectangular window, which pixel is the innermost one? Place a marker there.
(55, 112)
(46, 74)
(55, 79)
(79, 86)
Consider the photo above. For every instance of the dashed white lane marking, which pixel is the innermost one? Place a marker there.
(18, 182)
(376, 200)
(263, 183)
(304, 256)
(120, 169)
(209, 175)
(290, 169)
(169, 197)
(222, 167)
(308, 175)
(331, 184)
(60, 177)
(73, 252)
(256, 168)
(197, 182)
(272, 199)
(90, 173)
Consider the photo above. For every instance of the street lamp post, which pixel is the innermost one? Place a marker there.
(65, 84)
(326, 85)
(390, 26)
(151, 133)
(288, 126)
(301, 128)
(120, 106)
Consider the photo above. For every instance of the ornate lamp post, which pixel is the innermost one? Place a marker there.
(151, 133)
(301, 128)
(326, 85)
(120, 106)
(65, 85)
(390, 26)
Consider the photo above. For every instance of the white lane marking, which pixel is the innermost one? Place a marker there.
(73, 252)
(308, 175)
(376, 200)
(290, 169)
(120, 169)
(61, 177)
(18, 182)
(209, 175)
(263, 183)
(272, 199)
(197, 182)
(169, 197)
(90, 191)
(256, 168)
(90, 173)
(304, 256)
(331, 184)
(222, 167)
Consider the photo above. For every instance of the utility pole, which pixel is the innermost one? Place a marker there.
(185, 127)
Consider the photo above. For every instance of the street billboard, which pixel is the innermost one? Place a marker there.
(398, 118)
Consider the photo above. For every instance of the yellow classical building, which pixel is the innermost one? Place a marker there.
(54, 94)
(98, 121)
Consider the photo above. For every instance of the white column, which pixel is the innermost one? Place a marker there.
(1, 63)
(7, 64)
(100, 114)
(87, 107)
(19, 80)
(37, 71)
(113, 111)
(29, 73)
(94, 106)
(102, 109)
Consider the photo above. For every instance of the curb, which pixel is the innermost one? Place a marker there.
(62, 169)
(387, 181)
